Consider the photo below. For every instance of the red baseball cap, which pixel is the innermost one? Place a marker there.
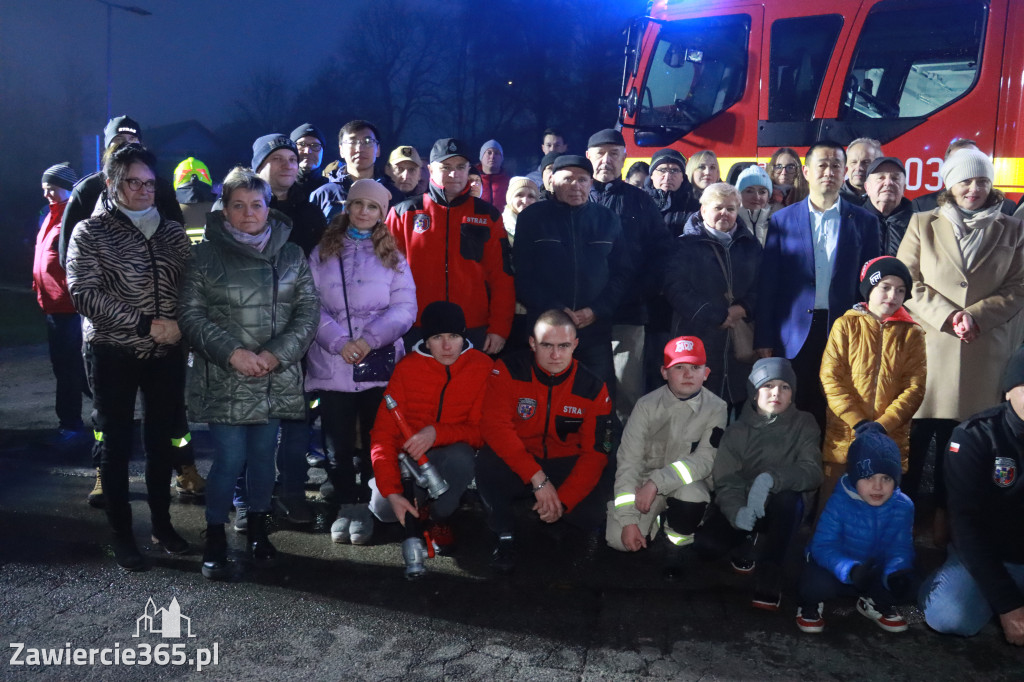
(688, 349)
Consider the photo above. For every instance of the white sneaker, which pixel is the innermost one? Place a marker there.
(888, 618)
(340, 527)
(360, 527)
(812, 621)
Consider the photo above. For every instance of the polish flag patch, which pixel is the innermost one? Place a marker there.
(954, 447)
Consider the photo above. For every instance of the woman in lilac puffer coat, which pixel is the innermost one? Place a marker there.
(369, 310)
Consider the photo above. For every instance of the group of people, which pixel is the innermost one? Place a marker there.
(627, 358)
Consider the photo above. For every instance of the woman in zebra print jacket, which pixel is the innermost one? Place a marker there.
(124, 266)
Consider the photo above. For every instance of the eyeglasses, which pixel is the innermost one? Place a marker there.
(789, 168)
(360, 142)
(134, 184)
(310, 147)
(670, 170)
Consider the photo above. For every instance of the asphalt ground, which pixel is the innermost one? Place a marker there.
(338, 612)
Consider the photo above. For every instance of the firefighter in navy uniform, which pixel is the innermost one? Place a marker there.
(544, 423)
(984, 572)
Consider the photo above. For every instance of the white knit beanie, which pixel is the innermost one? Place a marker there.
(964, 164)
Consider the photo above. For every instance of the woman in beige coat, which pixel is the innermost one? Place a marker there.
(966, 260)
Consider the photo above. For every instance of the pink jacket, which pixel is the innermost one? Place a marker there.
(383, 307)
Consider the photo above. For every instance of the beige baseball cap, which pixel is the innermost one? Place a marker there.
(404, 153)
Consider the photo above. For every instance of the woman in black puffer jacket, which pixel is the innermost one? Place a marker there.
(710, 282)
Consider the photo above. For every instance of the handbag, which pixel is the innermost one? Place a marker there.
(379, 362)
(741, 334)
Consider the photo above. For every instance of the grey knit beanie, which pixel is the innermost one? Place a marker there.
(61, 175)
(491, 144)
(964, 164)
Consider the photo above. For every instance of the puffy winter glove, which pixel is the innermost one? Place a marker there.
(758, 493)
(745, 518)
(898, 582)
(867, 426)
(860, 575)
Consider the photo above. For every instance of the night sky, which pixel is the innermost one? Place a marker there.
(195, 59)
(182, 62)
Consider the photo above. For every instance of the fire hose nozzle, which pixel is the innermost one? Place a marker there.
(414, 553)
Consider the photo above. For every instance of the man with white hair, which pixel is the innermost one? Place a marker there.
(885, 184)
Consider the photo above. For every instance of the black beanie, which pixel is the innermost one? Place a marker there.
(548, 159)
(883, 266)
(667, 156)
(307, 129)
(268, 144)
(443, 317)
(121, 125)
(1013, 375)
(873, 453)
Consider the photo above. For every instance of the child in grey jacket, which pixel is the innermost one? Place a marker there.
(767, 459)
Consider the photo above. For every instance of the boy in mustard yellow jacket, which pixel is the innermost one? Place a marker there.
(874, 367)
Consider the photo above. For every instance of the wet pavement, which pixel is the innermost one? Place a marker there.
(328, 611)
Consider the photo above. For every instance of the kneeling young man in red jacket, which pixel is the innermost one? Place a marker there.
(544, 424)
(439, 387)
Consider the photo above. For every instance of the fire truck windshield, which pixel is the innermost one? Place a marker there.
(898, 73)
(698, 68)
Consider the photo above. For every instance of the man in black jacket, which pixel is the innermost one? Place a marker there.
(647, 240)
(570, 253)
(885, 183)
(118, 131)
(310, 143)
(87, 193)
(984, 573)
(275, 158)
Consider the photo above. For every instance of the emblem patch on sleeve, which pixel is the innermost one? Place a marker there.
(527, 408)
(1004, 473)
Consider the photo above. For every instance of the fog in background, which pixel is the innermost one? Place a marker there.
(418, 70)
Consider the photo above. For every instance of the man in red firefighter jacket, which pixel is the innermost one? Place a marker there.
(439, 387)
(544, 424)
(454, 244)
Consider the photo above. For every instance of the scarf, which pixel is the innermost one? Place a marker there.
(358, 235)
(256, 241)
(146, 221)
(508, 218)
(969, 228)
(724, 237)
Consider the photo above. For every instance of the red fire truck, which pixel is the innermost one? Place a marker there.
(745, 77)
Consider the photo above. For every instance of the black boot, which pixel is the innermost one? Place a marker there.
(215, 556)
(165, 536)
(126, 553)
(259, 543)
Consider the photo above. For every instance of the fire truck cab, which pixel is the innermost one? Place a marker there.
(745, 77)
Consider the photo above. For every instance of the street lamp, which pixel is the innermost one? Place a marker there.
(111, 6)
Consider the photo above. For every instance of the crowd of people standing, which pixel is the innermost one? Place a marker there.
(627, 356)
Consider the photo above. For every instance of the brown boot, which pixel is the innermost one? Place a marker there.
(189, 483)
(96, 498)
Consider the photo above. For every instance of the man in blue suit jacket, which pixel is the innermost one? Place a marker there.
(810, 272)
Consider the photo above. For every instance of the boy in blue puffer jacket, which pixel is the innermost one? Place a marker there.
(863, 545)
